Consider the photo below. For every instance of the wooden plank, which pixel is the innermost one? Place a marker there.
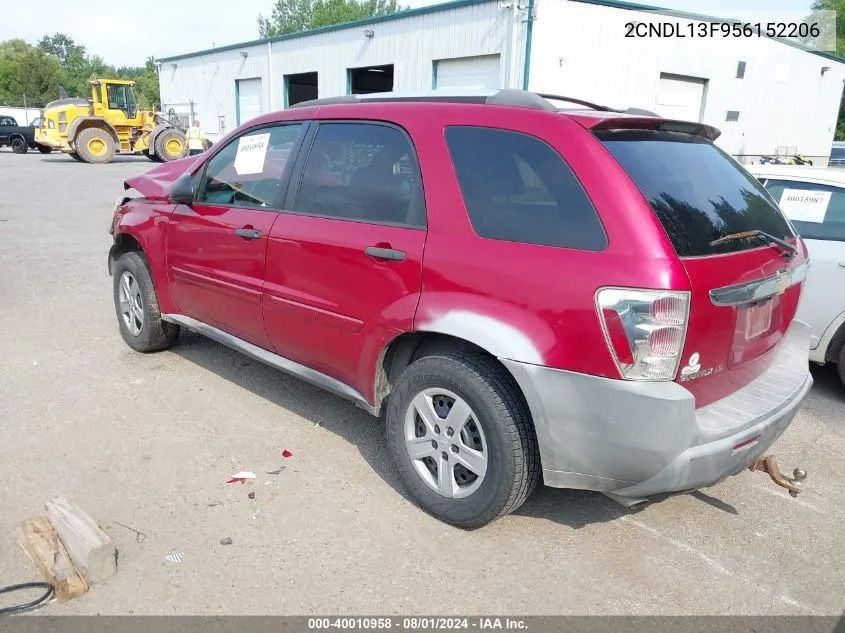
(41, 543)
(91, 549)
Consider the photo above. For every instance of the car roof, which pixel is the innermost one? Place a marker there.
(808, 173)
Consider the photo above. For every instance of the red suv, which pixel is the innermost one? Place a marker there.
(601, 296)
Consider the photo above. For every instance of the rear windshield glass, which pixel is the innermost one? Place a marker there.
(697, 191)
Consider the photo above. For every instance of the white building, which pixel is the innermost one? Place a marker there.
(766, 96)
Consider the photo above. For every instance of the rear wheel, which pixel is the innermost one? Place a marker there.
(75, 156)
(44, 149)
(136, 305)
(152, 156)
(462, 439)
(19, 145)
(95, 145)
(170, 145)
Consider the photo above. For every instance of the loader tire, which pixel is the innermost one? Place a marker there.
(75, 156)
(95, 145)
(170, 145)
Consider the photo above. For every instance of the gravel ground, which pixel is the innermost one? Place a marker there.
(150, 440)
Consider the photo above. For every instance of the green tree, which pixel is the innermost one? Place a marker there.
(293, 16)
(839, 7)
(75, 64)
(25, 70)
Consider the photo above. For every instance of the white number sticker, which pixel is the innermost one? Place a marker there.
(251, 153)
(804, 205)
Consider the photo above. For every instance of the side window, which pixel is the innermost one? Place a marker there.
(362, 171)
(817, 211)
(248, 171)
(7, 121)
(517, 188)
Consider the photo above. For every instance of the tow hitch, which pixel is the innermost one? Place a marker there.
(768, 464)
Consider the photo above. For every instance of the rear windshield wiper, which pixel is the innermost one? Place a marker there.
(788, 248)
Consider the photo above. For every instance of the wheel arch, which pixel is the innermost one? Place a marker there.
(83, 123)
(123, 243)
(408, 347)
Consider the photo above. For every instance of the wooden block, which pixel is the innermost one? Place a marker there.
(41, 543)
(90, 547)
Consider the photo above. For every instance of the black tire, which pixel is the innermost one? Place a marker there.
(840, 364)
(94, 135)
(513, 459)
(154, 334)
(44, 149)
(164, 139)
(152, 157)
(18, 145)
(75, 156)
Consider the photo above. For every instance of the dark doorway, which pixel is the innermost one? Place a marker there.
(300, 87)
(370, 79)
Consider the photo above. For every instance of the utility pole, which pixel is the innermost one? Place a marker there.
(25, 114)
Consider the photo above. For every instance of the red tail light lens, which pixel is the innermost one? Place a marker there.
(645, 330)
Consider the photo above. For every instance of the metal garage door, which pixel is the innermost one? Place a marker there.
(680, 97)
(249, 99)
(468, 72)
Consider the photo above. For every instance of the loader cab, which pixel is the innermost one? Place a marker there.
(116, 98)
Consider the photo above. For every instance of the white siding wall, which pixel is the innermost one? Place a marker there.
(411, 43)
(580, 50)
(209, 81)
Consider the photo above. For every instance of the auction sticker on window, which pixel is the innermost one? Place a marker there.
(804, 205)
(252, 150)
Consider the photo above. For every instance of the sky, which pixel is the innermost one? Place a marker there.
(124, 35)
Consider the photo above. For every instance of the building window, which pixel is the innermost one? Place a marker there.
(300, 87)
(740, 70)
(370, 79)
(733, 115)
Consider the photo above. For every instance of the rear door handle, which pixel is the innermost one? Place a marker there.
(248, 234)
(385, 253)
(842, 264)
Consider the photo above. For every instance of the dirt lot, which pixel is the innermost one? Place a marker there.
(149, 441)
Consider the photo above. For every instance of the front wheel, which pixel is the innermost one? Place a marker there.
(19, 145)
(462, 438)
(136, 305)
(840, 364)
(170, 145)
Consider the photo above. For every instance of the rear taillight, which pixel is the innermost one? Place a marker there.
(645, 330)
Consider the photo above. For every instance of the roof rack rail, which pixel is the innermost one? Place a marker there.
(505, 97)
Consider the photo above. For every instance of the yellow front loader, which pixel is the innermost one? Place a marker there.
(109, 122)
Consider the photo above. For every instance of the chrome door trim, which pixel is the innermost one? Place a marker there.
(274, 360)
(760, 288)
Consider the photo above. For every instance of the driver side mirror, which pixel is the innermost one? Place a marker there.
(182, 190)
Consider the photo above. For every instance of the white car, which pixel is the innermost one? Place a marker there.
(813, 198)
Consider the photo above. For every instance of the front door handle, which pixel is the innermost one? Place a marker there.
(842, 264)
(385, 253)
(248, 234)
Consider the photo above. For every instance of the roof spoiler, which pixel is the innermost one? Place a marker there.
(662, 125)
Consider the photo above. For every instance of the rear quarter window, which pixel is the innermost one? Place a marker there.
(699, 193)
(816, 211)
(517, 188)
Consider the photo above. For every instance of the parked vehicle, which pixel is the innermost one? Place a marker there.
(814, 200)
(837, 157)
(602, 297)
(109, 122)
(19, 137)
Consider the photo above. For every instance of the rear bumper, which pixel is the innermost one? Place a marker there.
(638, 439)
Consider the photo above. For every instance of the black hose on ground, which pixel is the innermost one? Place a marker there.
(29, 606)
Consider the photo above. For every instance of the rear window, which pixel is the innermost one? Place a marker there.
(816, 211)
(517, 188)
(699, 193)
